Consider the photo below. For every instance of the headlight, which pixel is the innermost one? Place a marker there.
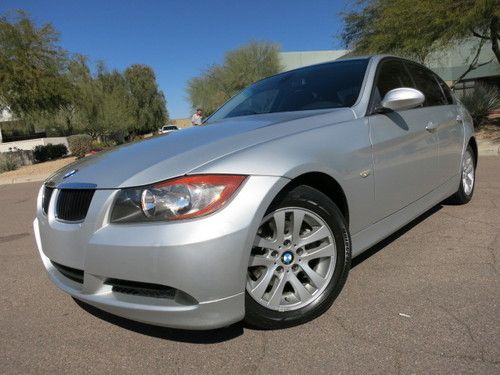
(180, 198)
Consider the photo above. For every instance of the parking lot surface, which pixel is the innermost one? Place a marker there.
(426, 300)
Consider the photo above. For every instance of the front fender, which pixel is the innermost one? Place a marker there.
(342, 151)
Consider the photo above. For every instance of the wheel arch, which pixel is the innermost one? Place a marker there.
(473, 144)
(324, 183)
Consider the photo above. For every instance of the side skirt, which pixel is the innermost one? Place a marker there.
(368, 237)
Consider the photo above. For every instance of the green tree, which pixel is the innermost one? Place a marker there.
(67, 119)
(241, 67)
(416, 28)
(250, 63)
(210, 90)
(147, 100)
(105, 106)
(45, 87)
(31, 67)
(116, 113)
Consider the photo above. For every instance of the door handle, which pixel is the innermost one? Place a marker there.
(431, 127)
(460, 119)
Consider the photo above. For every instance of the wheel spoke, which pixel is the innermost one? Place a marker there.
(315, 277)
(319, 234)
(468, 173)
(301, 292)
(279, 221)
(260, 260)
(319, 252)
(264, 243)
(468, 169)
(262, 283)
(277, 291)
(298, 218)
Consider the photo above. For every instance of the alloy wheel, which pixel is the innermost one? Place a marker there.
(468, 172)
(292, 260)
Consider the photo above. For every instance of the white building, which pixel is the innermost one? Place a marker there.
(5, 116)
(293, 60)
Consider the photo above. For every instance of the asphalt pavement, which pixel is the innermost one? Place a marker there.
(424, 301)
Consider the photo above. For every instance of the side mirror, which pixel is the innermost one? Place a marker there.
(402, 98)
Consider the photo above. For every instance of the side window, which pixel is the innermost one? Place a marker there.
(392, 75)
(425, 82)
(446, 90)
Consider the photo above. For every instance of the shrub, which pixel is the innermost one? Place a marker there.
(41, 153)
(8, 165)
(58, 151)
(80, 144)
(480, 101)
(14, 159)
(118, 137)
(49, 152)
(98, 146)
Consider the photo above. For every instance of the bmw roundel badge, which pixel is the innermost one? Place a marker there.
(70, 173)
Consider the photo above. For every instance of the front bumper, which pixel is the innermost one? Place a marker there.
(204, 259)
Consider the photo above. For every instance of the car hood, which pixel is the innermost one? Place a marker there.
(177, 153)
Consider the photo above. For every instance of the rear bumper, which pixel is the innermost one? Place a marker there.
(204, 261)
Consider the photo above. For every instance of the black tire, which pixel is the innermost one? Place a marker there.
(461, 197)
(311, 199)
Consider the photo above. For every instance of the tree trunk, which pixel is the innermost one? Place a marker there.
(494, 37)
(69, 126)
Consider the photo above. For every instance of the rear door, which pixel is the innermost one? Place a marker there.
(450, 135)
(405, 153)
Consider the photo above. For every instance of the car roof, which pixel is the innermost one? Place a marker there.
(376, 57)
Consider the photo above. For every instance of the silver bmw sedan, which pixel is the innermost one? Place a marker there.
(257, 214)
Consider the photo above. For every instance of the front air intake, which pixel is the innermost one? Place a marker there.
(71, 273)
(141, 289)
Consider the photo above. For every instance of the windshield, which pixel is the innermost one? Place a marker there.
(331, 85)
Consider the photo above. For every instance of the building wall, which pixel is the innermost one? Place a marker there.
(293, 60)
(453, 61)
(449, 63)
(5, 115)
(30, 144)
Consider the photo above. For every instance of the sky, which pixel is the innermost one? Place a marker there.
(179, 39)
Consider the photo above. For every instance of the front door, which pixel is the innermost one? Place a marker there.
(405, 148)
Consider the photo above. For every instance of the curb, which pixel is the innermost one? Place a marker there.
(488, 149)
(20, 180)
